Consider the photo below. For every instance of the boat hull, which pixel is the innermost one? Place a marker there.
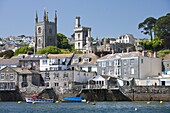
(73, 99)
(31, 100)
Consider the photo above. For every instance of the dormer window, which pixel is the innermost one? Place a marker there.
(86, 59)
(76, 60)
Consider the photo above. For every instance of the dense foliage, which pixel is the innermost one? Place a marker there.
(49, 50)
(62, 41)
(162, 27)
(162, 53)
(7, 54)
(147, 26)
(24, 50)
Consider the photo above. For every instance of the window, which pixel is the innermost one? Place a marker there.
(125, 71)
(50, 31)
(89, 69)
(56, 84)
(56, 75)
(47, 84)
(167, 65)
(110, 63)
(76, 60)
(110, 72)
(78, 36)
(78, 44)
(65, 84)
(65, 75)
(59, 61)
(39, 29)
(44, 61)
(131, 61)
(39, 41)
(11, 76)
(103, 72)
(103, 64)
(117, 63)
(99, 64)
(85, 59)
(2, 76)
(141, 60)
(124, 62)
(132, 71)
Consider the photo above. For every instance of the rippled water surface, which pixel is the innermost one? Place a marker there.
(100, 107)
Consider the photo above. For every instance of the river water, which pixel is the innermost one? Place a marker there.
(100, 107)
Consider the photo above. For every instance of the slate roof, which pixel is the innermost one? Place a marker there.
(35, 57)
(59, 55)
(119, 55)
(11, 61)
(22, 71)
(92, 56)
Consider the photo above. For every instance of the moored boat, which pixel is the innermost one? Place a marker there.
(36, 100)
(73, 99)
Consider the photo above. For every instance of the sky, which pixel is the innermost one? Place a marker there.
(107, 18)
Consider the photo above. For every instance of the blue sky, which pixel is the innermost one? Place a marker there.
(107, 18)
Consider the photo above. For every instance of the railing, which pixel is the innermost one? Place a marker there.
(97, 87)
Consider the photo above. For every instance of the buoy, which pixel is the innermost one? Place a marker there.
(93, 103)
(57, 101)
(19, 102)
(136, 109)
(33, 102)
(148, 102)
(161, 102)
(87, 102)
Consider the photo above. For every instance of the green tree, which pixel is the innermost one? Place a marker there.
(23, 50)
(147, 26)
(7, 54)
(62, 41)
(49, 50)
(162, 26)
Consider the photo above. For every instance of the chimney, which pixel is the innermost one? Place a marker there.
(113, 51)
(154, 55)
(127, 50)
(144, 53)
(77, 22)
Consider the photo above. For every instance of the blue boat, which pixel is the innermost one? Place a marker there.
(73, 99)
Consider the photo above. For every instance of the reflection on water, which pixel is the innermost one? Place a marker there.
(100, 107)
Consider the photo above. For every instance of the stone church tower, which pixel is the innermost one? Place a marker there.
(45, 32)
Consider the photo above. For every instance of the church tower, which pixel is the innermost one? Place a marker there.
(45, 32)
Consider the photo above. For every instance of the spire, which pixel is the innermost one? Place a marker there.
(36, 18)
(55, 17)
(45, 14)
(47, 17)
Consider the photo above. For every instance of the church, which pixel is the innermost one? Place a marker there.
(45, 32)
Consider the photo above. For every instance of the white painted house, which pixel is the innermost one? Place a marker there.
(127, 38)
(84, 62)
(56, 62)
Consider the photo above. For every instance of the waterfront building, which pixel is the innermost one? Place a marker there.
(12, 78)
(45, 32)
(56, 62)
(129, 65)
(84, 62)
(32, 62)
(12, 62)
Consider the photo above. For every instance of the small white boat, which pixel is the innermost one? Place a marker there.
(36, 100)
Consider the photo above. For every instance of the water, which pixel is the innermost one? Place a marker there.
(100, 107)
